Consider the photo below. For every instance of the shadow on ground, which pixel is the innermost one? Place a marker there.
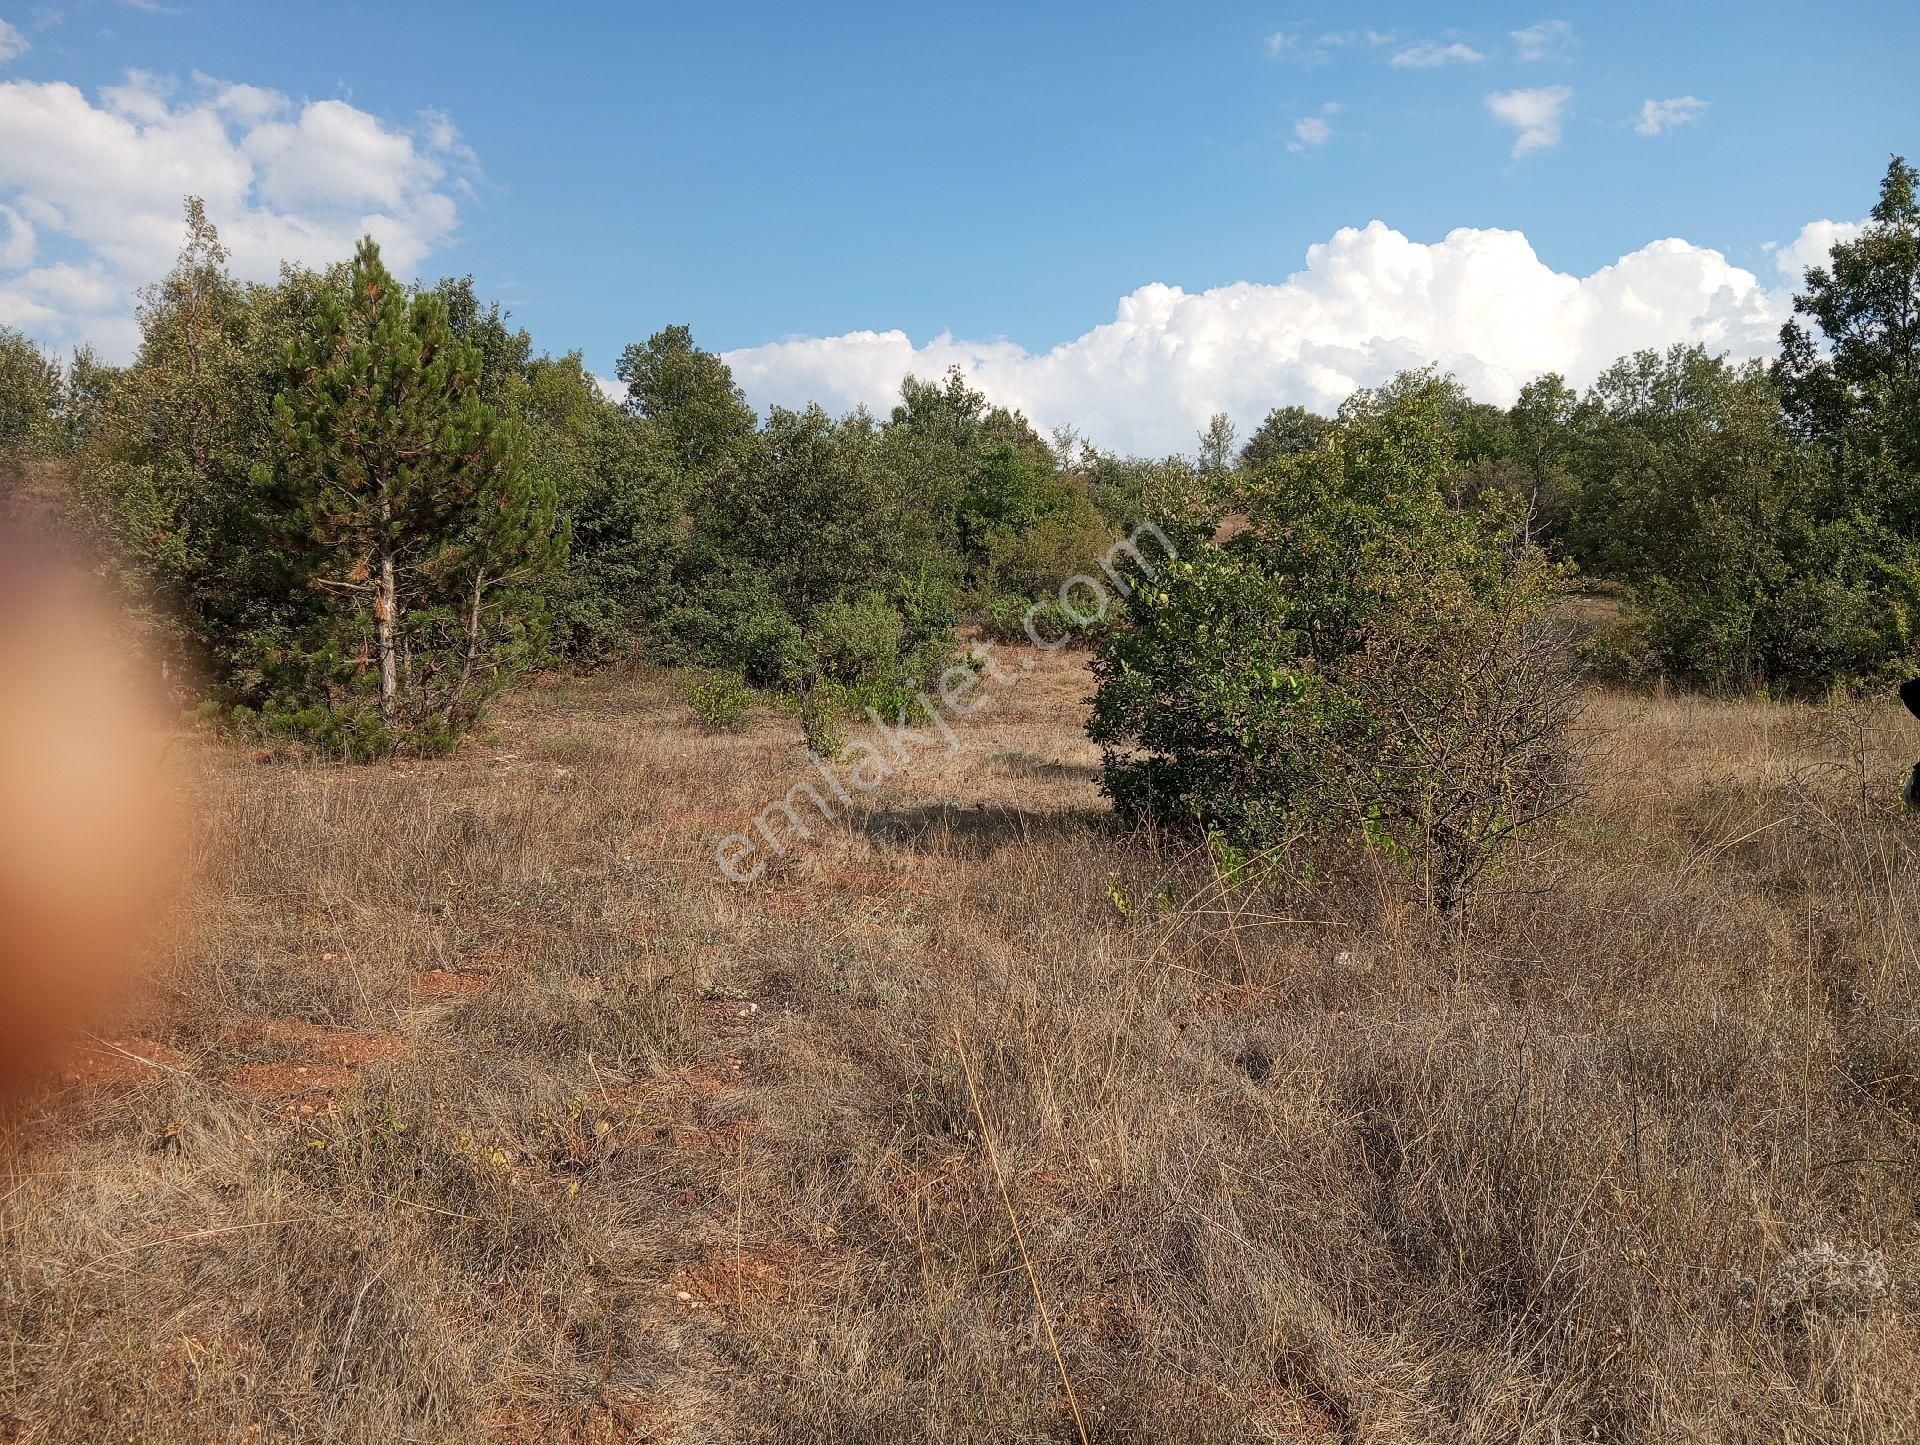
(1048, 769)
(978, 831)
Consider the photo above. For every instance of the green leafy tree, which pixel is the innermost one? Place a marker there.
(30, 394)
(1288, 431)
(1852, 394)
(1673, 436)
(1364, 662)
(614, 473)
(800, 549)
(691, 395)
(629, 511)
(984, 508)
(1860, 393)
(1216, 447)
(163, 454)
(1544, 430)
(1696, 495)
(425, 528)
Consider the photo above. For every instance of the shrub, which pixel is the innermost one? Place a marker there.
(732, 622)
(1621, 651)
(854, 641)
(823, 711)
(721, 700)
(1016, 620)
(1364, 661)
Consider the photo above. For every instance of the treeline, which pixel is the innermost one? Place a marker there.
(352, 509)
(1763, 519)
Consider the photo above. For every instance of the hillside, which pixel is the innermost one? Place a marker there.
(472, 1103)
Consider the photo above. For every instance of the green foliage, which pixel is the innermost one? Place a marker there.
(355, 509)
(728, 617)
(1769, 522)
(813, 509)
(721, 700)
(164, 453)
(419, 523)
(1694, 493)
(1859, 396)
(858, 638)
(1186, 504)
(1543, 433)
(1364, 661)
(690, 395)
(986, 506)
(823, 710)
(804, 574)
(1288, 431)
(1216, 447)
(1005, 619)
(30, 395)
(1063, 537)
(613, 473)
(1021, 620)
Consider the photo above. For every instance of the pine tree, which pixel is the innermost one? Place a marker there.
(413, 493)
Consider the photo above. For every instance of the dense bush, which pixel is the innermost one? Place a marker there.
(29, 397)
(1769, 521)
(720, 700)
(1016, 619)
(807, 575)
(1364, 661)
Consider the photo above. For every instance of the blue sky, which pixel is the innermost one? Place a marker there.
(994, 171)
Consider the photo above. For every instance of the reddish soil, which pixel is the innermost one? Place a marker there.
(773, 1275)
(731, 1135)
(319, 1042)
(286, 1080)
(98, 1064)
(440, 983)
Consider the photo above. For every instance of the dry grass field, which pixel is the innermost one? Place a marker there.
(472, 1104)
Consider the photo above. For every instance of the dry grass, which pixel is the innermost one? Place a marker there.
(476, 1106)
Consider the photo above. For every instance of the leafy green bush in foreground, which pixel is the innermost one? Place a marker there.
(1364, 662)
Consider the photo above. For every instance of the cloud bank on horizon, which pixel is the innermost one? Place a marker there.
(1371, 302)
(90, 210)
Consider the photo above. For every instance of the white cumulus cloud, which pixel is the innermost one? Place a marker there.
(1813, 246)
(1535, 114)
(1659, 115)
(1370, 302)
(1548, 40)
(102, 180)
(1426, 54)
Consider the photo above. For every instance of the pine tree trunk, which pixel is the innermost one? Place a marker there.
(384, 607)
